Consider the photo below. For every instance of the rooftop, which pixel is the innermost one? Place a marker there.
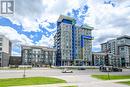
(85, 26)
(36, 47)
(65, 17)
(112, 40)
(125, 36)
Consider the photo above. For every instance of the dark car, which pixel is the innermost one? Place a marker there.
(116, 69)
(110, 69)
(81, 68)
(105, 68)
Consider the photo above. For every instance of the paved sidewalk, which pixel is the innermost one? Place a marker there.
(83, 81)
(121, 80)
(49, 85)
(88, 81)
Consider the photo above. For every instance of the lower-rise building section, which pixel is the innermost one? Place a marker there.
(105, 59)
(38, 56)
(123, 44)
(118, 48)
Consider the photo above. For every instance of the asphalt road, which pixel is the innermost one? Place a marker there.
(54, 72)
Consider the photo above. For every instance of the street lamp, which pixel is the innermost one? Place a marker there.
(108, 74)
(108, 68)
(24, 71)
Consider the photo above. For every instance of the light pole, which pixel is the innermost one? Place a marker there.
(24, 72)
(108, 63)
(108, 74)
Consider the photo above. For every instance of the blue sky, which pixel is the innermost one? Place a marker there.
(35, 23)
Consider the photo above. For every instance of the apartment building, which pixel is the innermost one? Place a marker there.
(5, 51)
(105, 59)
(123, 46)
(109, 47)
(37, 56)
(73, 43)
(120, 48)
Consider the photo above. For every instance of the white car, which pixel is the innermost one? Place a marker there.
(67, 71)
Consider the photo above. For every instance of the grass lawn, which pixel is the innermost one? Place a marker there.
(29, 81)
(127, 82)
(112, 77)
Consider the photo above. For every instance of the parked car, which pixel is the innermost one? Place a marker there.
(67, 71)
(105, 68)
(110, 69)
(116, 69)
(82, 68)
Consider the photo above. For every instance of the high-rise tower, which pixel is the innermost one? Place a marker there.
(73, 43)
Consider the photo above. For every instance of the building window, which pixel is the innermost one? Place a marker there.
(1, 39)
(0, 49)
(0, 55)
(122, 49)
(26, 51)
(0, 44)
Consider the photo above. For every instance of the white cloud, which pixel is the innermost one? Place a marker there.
(30, 25)
(62, 6)
(14, 36)
(46, 41)
(45, 25)
(28, 11)
(16, 39)
(55, 8)
(30, 14)
(105, 18)
(109, 22)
